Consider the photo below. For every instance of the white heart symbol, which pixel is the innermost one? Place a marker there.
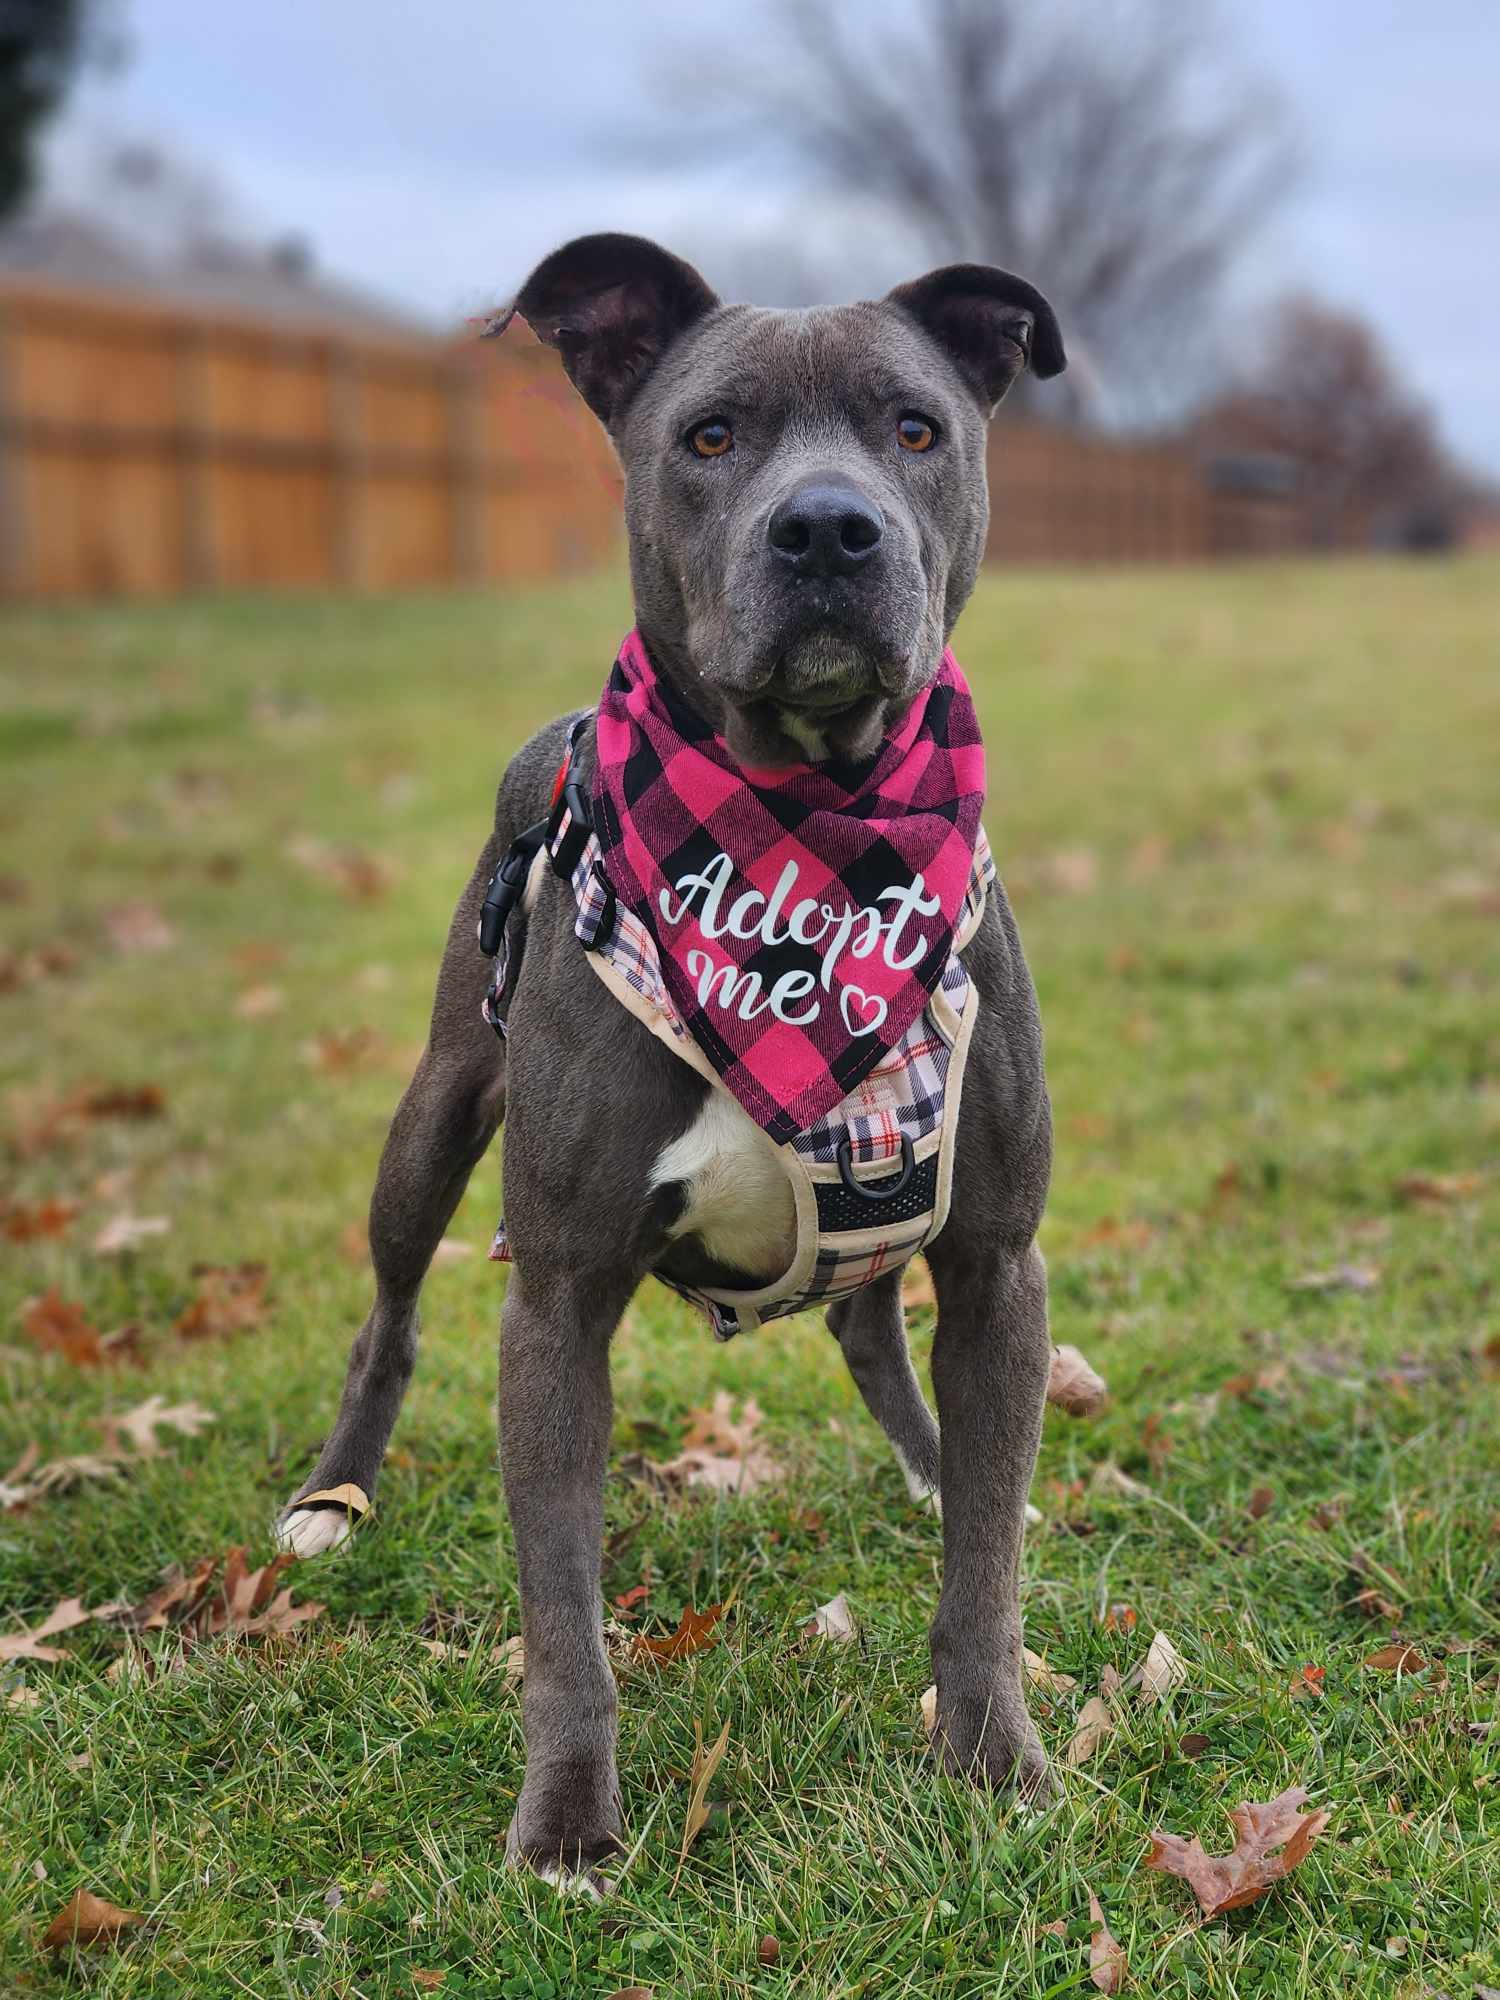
(874, 1008)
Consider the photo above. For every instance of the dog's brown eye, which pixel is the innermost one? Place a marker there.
(916, 433)
(711, 440)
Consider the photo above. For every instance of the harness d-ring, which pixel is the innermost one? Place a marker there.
(845, 1157)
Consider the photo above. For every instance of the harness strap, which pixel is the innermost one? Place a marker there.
(508, 882)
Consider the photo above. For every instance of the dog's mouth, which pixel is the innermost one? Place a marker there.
(826, 671)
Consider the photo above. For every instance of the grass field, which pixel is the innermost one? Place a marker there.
(1249, 823)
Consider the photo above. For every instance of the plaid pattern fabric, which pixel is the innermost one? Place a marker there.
(905, 1095)
(801, 917)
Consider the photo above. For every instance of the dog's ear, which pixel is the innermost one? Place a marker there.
(990, 324)
(611, 306)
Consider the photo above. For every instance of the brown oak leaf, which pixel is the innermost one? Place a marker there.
(230, 1299)
(29, 1645)
(695, 1630)
(1227, 1881)
(88, 1919)
(58, 1326)
(45, 1218)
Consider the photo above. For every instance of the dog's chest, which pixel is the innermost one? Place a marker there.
(738, 1199)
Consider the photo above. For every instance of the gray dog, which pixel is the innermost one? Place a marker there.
(806, 503)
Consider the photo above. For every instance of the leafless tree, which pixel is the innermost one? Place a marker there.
(1323, 395)
(1115, 154)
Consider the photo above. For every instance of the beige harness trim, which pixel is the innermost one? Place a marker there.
(353, 1499)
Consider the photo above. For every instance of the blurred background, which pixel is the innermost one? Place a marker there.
(244, 254)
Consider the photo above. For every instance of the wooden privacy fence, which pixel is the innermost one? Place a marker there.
(153, 450)
(1064, 497)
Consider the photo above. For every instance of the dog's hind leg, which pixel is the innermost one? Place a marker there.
(444, 1124)
(870, 1327)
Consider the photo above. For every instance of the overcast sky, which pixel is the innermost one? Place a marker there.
(434, 153)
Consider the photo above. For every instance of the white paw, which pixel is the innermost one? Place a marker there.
(585, 1882)
(312, 1531)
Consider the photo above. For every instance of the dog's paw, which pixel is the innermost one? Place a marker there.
(312, 1531)
(1000, 1752)
(578, 1877)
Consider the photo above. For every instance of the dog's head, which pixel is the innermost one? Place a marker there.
(804, 491)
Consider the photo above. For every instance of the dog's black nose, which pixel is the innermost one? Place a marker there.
(825, 529)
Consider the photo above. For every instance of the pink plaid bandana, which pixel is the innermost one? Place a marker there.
(803, 916)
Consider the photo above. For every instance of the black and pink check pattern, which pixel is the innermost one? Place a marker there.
(668, 798)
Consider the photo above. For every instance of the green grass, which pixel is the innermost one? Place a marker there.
(1249, 822)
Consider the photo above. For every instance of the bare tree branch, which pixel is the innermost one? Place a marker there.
(1113, 153)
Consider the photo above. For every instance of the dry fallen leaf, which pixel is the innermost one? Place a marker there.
(141, 1424)
(833, 1620)
(1397, 1660)
(15, 1489)
(1163, 1670)
(1094, 1726)
(230, 1299)
(28, 1645)
(1193, 1745)
(717, 1452)
(1042, 1677)
(88, 1919)
(59, 1327)
(1107, 1963)
(44, 1219)
(245, 1602)
(695, 1631)
(1308, 1680)
(60, 1475)
(428, 1981)
(1227, 1881)
(1261, 1501)
(1073, 1386)
(705, 1763)
(127, 1232)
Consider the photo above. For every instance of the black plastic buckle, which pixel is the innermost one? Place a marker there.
(506, 887)
(568, 850)
(845, 1157)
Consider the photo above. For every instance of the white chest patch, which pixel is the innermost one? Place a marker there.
(739, 1199)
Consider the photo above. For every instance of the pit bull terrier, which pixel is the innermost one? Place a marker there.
(806, 505)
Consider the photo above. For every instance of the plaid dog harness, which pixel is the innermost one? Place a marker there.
(795, 936)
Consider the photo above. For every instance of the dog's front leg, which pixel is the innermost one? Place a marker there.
(990, 1360)
(555, 1411)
